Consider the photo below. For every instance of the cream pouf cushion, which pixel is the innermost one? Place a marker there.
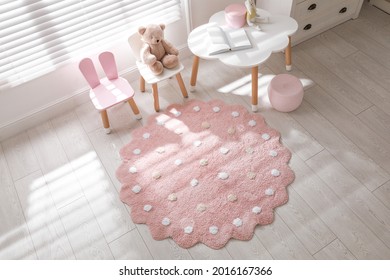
(285, 92)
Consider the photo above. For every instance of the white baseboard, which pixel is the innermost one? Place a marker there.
(61, 106)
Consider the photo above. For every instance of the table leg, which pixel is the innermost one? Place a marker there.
(255, 77)
(288, 55)
(194, 73)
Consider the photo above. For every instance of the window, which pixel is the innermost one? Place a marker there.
(36, 36)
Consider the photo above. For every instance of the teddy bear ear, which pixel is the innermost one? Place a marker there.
(162, 26)
(141, 30)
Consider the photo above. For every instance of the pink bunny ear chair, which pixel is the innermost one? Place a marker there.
(147, 76)
(110, 90)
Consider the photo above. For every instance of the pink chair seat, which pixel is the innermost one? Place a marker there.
(110, 93)
(285, 92)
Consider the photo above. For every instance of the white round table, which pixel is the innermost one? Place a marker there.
(275, 36)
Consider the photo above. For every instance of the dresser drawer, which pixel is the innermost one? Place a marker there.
(331, 16)
(312, 8)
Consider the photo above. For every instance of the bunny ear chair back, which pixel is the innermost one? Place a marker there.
(110, 90)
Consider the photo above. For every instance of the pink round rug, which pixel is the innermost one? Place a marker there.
(204, 172)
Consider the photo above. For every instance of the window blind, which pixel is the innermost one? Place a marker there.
(38, 36)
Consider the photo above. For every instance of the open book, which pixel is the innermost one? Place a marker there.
(223, 39)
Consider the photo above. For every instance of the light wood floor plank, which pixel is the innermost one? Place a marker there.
(20, 156)
(364, 137)
(376, 72)
(54, 164)
(370, 47)
(101, 194)
(351, 231)
(313, 233)
(43, 220)
(335, 86)
(360, 200)
(335, 251)
(383, 193)
(83, 231)
(357, 80)
(15, 239)
(248, 250)
(336, 43)
(130, 246)
(377, 120)
(281, 242)
(341, 147)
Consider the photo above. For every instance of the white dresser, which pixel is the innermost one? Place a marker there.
(314, 16)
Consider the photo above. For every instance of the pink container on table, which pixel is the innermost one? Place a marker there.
(235, 15)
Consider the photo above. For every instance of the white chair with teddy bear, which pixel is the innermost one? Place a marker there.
(156, 59)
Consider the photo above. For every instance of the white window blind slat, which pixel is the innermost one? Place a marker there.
(36, 36)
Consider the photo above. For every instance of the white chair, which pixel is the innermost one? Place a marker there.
(147, 76)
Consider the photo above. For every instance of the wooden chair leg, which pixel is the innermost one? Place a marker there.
(135, 109)
(255, 77)
(106, 122)
(181, 85)
(141, 84)
(155, 97)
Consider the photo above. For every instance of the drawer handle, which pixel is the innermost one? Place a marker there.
(312, 7)
(343, 10)
(307, 27)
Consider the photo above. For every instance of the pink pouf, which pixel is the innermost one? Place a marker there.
(285, 92)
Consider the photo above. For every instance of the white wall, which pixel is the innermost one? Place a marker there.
(29, 104)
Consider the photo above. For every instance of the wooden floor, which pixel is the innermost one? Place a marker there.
(59, 194)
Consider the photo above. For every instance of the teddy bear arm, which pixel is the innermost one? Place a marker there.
(169, 48)
(147, 56)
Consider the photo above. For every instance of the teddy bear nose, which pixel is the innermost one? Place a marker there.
(158, 40)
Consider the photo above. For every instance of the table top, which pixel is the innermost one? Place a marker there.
(273, 37)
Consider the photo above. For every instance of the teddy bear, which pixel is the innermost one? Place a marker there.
(157, 52)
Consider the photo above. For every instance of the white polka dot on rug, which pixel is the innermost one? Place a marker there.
(252, 123)
(188, 229)
(224, 150)
(251, 175)
(194, 182)
(213, 230)
(160, 150)
(232, 197)
(172, 197)
(235, 114)
(256, 209)
(178, 162)
(223, 175)
(273, 153)
(231, 130)
(206, 125)
(166, 222)
(269, 191)
(265, 136)
(249, 150)
(160, 123)
(196, 108)
(137, 151)
(146, 135)
(148, 207)
(133, 169)
(176, 113)
(156, 175)
(216, 109)
(201, 207)
(136, 189)
(197, 143)
(275, 172)
(204, 162)
(237, 222)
